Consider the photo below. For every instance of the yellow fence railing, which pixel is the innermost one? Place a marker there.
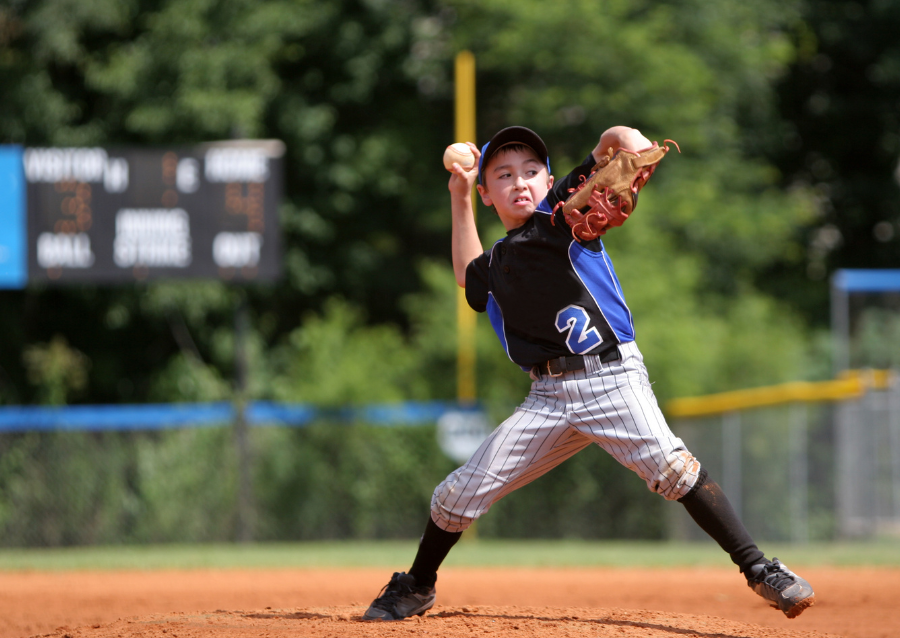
(851, 385)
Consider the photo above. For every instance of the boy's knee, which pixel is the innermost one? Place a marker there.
(445, 510)
(676, 479)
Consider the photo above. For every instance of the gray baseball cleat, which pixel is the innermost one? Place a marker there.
(776, 583)
(400, 599)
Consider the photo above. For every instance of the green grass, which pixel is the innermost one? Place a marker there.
(468, 553)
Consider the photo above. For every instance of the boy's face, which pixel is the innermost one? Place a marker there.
(515, 182)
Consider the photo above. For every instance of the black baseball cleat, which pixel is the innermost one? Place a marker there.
(776, 583)
(401, 598)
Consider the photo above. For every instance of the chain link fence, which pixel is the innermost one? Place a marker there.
(801, 462)
(184, 485)
(106, 475)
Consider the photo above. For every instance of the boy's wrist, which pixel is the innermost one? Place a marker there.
(461, 201)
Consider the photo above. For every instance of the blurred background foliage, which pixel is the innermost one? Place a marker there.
(786, 112)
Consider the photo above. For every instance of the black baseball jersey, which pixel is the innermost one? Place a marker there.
(546, 294)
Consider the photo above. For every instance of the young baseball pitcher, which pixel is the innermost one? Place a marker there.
(555, 302)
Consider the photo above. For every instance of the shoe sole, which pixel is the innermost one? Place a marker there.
(800, 607)
(421, 612)
(380, 619)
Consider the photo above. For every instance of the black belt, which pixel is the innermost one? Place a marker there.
(559, 366)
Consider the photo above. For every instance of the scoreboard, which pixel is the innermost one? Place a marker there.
(123, 215)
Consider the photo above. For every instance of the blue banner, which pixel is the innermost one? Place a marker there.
(165, 416)
(13, 226)
(867, 280)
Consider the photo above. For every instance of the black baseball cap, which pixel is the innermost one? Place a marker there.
(513, 135)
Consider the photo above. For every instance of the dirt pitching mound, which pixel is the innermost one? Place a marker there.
(345, 622)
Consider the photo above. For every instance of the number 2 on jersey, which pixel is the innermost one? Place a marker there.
(581, 338)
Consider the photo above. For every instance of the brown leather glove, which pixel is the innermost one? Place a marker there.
(610, 192)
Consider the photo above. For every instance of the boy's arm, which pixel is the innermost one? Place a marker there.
(465, 244)
(620, 137)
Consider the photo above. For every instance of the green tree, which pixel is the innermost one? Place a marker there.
(56, 370)
(839, 136)
(361, 92)
(187, 71)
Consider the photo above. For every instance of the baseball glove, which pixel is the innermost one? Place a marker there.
(608, 195)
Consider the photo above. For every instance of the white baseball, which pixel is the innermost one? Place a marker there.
(459, 153)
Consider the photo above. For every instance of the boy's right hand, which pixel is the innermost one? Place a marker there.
(461, 180)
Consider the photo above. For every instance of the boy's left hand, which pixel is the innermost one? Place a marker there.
(634, 140)
(620, 137)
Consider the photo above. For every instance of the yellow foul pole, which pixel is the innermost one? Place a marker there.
(465, 316)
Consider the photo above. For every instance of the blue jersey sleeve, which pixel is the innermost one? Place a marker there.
(563, 188)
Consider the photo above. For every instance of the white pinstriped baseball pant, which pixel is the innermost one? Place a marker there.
(610, 404)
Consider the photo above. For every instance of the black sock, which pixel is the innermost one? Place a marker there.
(710, 508)
(433, 549)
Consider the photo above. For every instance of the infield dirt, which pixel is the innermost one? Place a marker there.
(531, 603)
